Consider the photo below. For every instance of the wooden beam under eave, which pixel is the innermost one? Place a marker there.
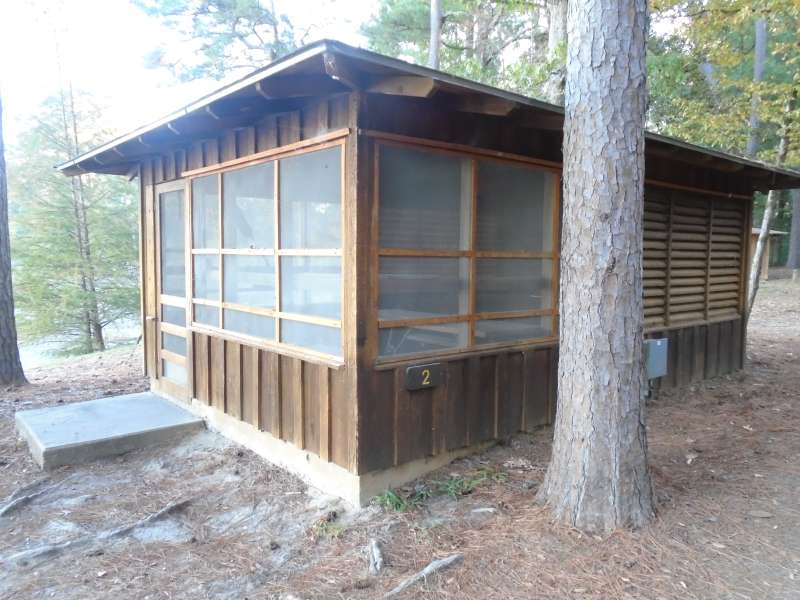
(549, 122)
(485, 105)
(297, 86)
(337, 67)
(404, 85)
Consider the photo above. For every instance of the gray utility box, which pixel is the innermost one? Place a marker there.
(655, 356)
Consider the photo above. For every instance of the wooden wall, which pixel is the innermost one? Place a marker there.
(702, 351)
(300, 402)
(362, 417)
(695, 257)
(481, 398)
(303, 402)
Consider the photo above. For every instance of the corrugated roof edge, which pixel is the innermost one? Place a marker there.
(325, 45)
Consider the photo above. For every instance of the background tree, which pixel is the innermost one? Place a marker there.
(436, 34)
(598, 478)
(476, 35)
(222, 36)
(10, 366)
(75, 238)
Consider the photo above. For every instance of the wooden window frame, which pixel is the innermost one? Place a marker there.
(336, 139)
(472, 254)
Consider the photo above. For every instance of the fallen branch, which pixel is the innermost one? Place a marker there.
(436, 566)
(21, 496)
(375, 557)
(48, 551)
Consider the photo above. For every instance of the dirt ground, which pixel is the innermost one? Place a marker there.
(725, 456)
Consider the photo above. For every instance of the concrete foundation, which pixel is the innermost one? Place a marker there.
(85, 431)
(328, 477)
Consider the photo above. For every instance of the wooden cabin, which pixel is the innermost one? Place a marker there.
(770, 256)
(350, 263)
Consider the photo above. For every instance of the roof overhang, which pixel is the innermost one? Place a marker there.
(327, 67)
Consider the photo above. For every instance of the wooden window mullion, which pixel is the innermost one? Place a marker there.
(473, 262)
(220, 242)
(276, 240)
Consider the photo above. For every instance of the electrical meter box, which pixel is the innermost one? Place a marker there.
(655, 354)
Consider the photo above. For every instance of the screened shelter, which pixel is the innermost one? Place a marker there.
(350, 263)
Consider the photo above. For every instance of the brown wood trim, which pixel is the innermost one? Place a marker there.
(693, 323)
(485, 316)
(173, 329)
(173, 358)
(276, 347)
(279, 152)
(392, 362)
(176, 301)
(473, 261)
(551, 165)
(555, 281)
(396, 139)
(276, 225)
(253, 310)
(325, 322)
(702, 191)
(423, 321)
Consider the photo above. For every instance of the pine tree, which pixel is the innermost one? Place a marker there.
(220, 36)
(598, 477)
(10, 366)
(75, 238)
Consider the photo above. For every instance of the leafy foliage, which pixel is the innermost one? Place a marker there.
(220, 35)
(478, 36)
(49, 269)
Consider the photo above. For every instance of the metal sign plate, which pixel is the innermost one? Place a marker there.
(420, 377)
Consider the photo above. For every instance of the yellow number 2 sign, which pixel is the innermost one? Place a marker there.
(420, 377)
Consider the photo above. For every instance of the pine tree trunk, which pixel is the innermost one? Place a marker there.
(436, 34)
(598, 478)
(759, 58)
(794, 239)
(10, 366)
(556, 39)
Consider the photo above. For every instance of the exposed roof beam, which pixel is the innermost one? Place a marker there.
(172, 128)
(534, 120)
(485, 105)
(338, 68)
(296, 86)
(404, 85)
(210, 110)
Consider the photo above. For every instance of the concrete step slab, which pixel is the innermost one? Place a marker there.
(84, 431)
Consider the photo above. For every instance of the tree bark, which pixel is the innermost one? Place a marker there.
(598, 478)
(436, 34)
(556, 39)
(11, 372)
(759, 58)
(794, 239)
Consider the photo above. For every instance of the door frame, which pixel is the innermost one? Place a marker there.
(160, 382)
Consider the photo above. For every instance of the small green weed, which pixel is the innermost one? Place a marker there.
(398, 502)
(326, 530)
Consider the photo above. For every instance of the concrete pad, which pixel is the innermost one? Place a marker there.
(84, 431)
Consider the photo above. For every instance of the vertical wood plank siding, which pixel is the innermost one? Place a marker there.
(306, 404)
(299, 402)
(363, 418)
